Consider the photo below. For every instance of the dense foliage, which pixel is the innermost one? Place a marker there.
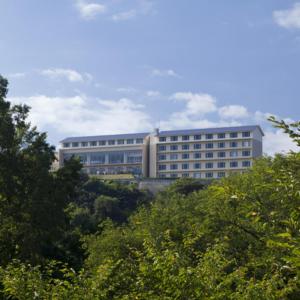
(239, 238)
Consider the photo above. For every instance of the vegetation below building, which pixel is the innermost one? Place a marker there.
(65, 236)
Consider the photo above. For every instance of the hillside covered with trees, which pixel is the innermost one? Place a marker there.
(66, 236)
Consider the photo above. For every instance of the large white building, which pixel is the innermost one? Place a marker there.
(198, 153)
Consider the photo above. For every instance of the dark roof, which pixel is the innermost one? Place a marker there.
(211, 130)
(104, 137)
(161, 133)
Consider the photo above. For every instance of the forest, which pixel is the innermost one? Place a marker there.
(64, 235)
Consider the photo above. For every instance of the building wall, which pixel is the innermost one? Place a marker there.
(207, 153)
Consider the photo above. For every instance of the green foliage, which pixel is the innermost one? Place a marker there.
(239, 238)
(32, 200)
(185, 186)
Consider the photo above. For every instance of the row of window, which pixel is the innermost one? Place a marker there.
(104, 143)
(207, 146)
(198, 155)
(136, 170)
(208, 136)
(116, 157)
(195, 175)
(208, 165)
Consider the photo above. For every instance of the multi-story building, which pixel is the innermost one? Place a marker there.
(109, 154)
(198, 153)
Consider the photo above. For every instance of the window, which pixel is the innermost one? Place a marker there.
(102, 143)
(173, 166)
(84, 144)
(134, 157)
(162, 138)
(185, 175)
(209, 175)
(197, 146)
(197, 137)
(246, 153)
(93, 144)
(174, 138)
(174, 147)
(197, 166)
(162, 157)
(221, 164)
(162, 175)
(246, 143)
(221, 135)
(233, 144)
(173, 156)
(209, 165)
(162, 167)
(197, 175)
(221, 174)
(161, 148)
(233, 164)
(233, 134)
(139, 141)
(174, 175)
(222, 154)
(209, 136)
(116, 157)
(209, 145)
(185, 137)
(97, 158)
(197, 155)
(66, 145)
(221, 145)
(185, 166)
(246, 134)
(185, 156)
(75, 144)
(185, 147)
(246, 163)
(130, 141)
(209, 154)
(111, 142)
(233, 154)
(82, 157)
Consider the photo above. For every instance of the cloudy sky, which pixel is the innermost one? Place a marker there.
(89, 67)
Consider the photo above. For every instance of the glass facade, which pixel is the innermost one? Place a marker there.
(113, 157)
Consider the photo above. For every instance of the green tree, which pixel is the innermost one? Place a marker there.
(32, 199)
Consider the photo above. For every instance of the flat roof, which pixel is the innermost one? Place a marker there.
(161, 133)
(105, 137)
(211, 130)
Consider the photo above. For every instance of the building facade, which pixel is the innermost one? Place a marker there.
(110, 154)
(198, 153)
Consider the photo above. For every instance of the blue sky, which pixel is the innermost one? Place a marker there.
(94, 67)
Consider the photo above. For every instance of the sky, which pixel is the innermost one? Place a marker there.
(92, 67)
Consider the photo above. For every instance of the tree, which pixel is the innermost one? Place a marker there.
(32, 199)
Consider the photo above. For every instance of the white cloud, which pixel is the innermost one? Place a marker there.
(191, 116)
(233, 112)
(153, 93)
(124, 16)
(68, 74)
(278, 142)
(89, 11)
(127, 90)
(289, 18)
(76, 116)
(16, 75)
(196, 103)
(80, 115)
(164, 73)
(144, 7)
